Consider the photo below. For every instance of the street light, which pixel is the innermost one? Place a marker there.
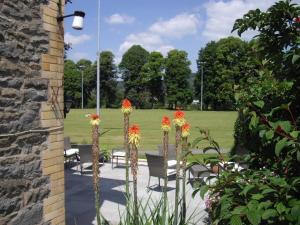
(98, 61)
(77, 21)
(201, 100)
(81, 67)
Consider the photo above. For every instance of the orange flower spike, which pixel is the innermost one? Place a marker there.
(166, 124)
(179, 119)
(94, 119)
(126, 106)
(134, 135)
(185, 130)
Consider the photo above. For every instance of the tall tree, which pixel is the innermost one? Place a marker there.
(152, 75)
(277, 41)
(131, 65)
(72, 82)
(177, 74)
(108, 79)
(225, 63)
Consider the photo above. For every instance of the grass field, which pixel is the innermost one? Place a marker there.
(77, 126)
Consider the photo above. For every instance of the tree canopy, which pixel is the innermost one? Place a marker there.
(176, 79)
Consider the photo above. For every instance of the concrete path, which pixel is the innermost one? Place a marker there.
(80, 196)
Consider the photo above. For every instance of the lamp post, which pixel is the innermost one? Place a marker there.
(201, 100)
(98, 61)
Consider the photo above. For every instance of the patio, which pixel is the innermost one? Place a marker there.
(80, 209)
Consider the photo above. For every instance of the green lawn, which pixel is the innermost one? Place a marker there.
(77, 126)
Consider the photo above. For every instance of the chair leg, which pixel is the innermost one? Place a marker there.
(112, 162)
(149, 181)
(158, 182)
(80, 169)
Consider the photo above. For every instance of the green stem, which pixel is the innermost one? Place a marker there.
(178, 156)
(134, 165)
(126, 147)
(184, 152)
(165, 198)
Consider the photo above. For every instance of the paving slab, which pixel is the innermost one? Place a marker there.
(80, 208)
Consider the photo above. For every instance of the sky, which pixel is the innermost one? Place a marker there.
(157, 25)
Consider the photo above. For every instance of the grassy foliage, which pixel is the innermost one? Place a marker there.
(77, 127)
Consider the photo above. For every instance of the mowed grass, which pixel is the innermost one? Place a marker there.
(77, 126)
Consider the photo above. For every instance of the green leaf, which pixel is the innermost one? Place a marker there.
(295, 211)
(196, 141)
(203, 190)
(253, 217)
(285, 125)
(247, 189)
(257, 196)
(269, 213)
(259, 104)
(239, 210)
(280, 145)
(268, 190)
(269, 134)
(236, 220)
(294, 134)
(298, 155)
(295, 58)
(280, 207)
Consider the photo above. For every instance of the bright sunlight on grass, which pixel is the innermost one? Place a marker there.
(77, 126)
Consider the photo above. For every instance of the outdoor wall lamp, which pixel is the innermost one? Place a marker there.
(78, 19)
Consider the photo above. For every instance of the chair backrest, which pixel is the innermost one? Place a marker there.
(85, 153)
(67, 143)
(155, 165)
(171, 151)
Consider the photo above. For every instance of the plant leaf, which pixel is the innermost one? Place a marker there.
(253, 217)
(280, 145)
(269, 213)
(259, 104)
(295, 58)
(236, 220)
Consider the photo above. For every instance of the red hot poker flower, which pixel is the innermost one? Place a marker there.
(94, 119)
(166, 124)
(126, 106)
(179, 118)
(185, 130)
(134, 134)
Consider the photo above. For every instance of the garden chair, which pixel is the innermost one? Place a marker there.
(85, 157)
(156, 167)
(116, 154)
(171, 155)
(69, 152)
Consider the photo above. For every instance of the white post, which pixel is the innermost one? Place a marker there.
(98, 61)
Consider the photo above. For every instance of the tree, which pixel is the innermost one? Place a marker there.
(176, 79)
(131, 65)
(72, 82)
(152, 74)
(278, 42)
(108, 79)
(226, 63)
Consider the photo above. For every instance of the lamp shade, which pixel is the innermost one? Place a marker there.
(78, 20)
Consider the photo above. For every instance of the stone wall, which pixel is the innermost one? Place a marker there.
(31, 113)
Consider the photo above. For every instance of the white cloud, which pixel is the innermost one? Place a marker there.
(221, 15)
(178, 26)
(155, 37)
(76, 40)
(145, 39)
(116, 19)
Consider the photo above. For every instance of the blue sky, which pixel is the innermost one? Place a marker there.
(159, 25)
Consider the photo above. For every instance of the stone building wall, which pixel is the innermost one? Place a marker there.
(31, 112)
